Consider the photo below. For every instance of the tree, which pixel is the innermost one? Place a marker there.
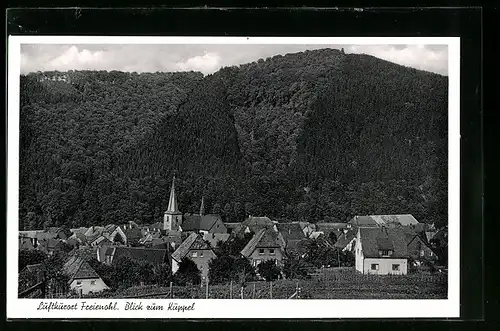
(162, 274)
(54, 273)
(216, 208)
(30, 256)
(333, 237)
(296, 267)
(269, 270)
(220, 269)
(188, 273)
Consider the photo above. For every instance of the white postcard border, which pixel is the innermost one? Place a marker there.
(216, 308)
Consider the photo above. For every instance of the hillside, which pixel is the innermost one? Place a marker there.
(318, 135)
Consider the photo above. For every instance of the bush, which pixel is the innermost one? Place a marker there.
(188, 273)
(269, 270)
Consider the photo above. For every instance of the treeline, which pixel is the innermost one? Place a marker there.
(317, 135)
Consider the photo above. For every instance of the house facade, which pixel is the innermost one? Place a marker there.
(197, 250)
(82, 278)
(266, 244)
(381, 251)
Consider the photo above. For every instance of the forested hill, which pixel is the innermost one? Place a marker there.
(317, 135)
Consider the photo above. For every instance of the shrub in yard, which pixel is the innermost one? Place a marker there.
(188, 273)
(269, 270)
(296, 267)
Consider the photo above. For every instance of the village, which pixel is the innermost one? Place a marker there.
(376, 247)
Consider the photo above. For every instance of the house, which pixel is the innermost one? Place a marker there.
(214, 238)
(316, 235)
(381, 251)
(266, 244)
(99, 240)
(34, 236)
(383, 220)
(254, 224)
(153, 228)
(419, 249)
(62, 232)
(25, 243)
(336, 228)
(346, 241)
(31, 275)
(307, 228)
(132, 234)
(211, 223)
(93, 231)
(48, 246)
(82, 278)
(292, 234)
(196, 249)
(110, 255)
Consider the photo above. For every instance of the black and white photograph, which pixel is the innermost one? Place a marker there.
(252, 169)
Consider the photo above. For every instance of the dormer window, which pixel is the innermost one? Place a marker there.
(385, 252)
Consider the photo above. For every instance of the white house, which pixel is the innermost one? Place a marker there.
(381, 251)
(82, 278)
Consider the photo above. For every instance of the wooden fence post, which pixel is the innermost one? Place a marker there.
(271, 289)
(171, 291)
(241, 292)
(206, 289)
(253, 291)
(231, 290)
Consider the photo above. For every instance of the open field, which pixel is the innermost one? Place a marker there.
(334, 283)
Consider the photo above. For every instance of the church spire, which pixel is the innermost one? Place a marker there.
(172, 202)
(202, 206)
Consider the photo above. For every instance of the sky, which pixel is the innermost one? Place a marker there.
(205, 58)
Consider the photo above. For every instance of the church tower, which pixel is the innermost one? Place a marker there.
(173, 217)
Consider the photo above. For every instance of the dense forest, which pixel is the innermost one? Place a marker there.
(318, 136)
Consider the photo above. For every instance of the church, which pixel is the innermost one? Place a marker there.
(202, 223)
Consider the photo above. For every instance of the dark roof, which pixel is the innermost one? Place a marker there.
(257, 223)
(344, 239)
(77, 268)
(263, 238)
(133, 233)
(50, 243)
(155, 256)
(34, 268)
(291, 231)
(199, 222)
(194, 241)
(25, 243)
(380, 220)
(332, 226)
(375, 239)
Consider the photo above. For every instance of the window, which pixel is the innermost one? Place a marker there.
(271, 251)
(431, 254)
(92, 282)
(395, 267)
(385, 252)
(78, 282)
(374, 266)
(194, 254)
(261, 251)
(201, 254)
(422, 253)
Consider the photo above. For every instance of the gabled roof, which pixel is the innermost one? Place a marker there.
(344, 239)
(50, 243)
(33, 268)
(194, 241)
(381, 220)
(316, 234)
(77, 268)
(291, 231)
(93, 231)
(155, 256)
(25, 243)
(200, 222)
(267, 238)
(257, 223)
(375, 239)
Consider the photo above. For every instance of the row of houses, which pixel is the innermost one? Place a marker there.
(382, 244)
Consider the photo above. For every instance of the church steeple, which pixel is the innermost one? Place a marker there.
(202, 206)
(172, 219)
(172, 202)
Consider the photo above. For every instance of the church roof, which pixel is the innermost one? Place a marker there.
(172, 201)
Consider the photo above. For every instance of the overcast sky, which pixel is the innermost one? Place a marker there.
(206, 58)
